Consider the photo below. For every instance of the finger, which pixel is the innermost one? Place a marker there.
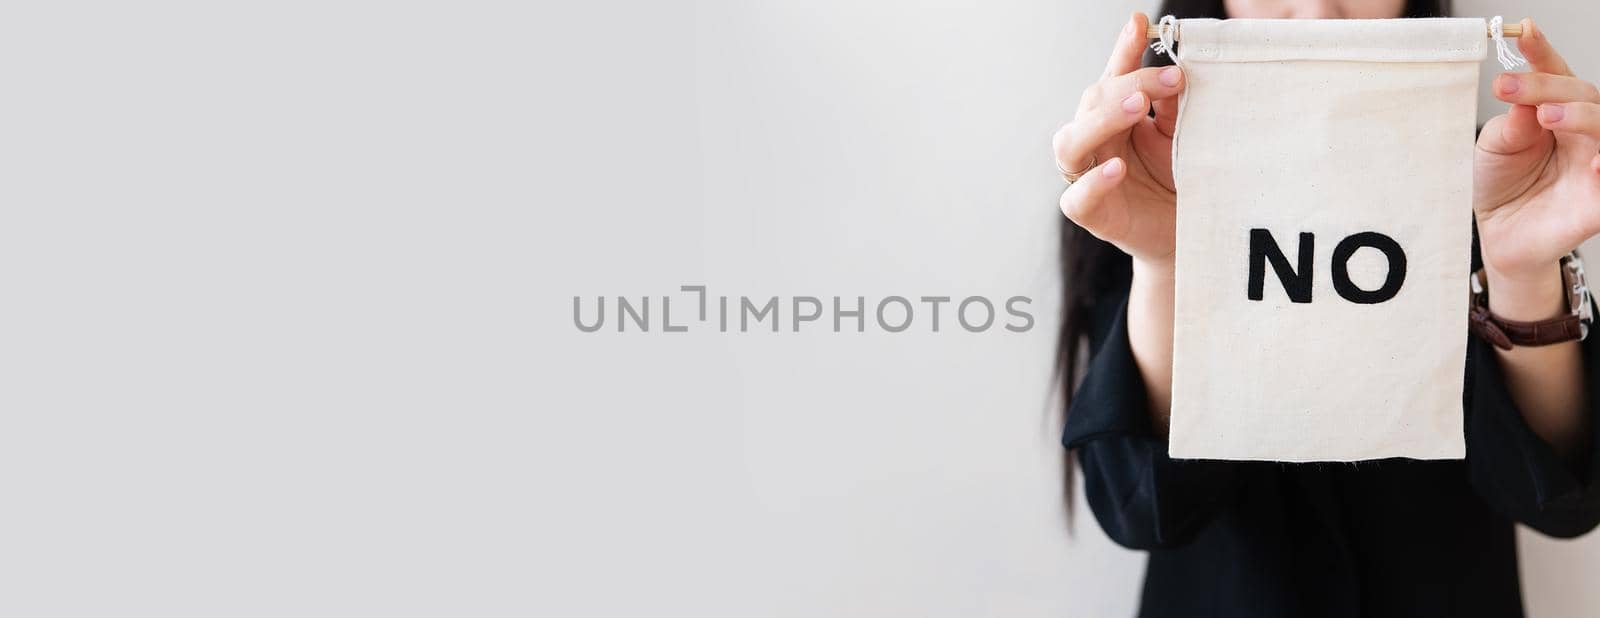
(1594, 164)
(1129, 49)
(1542, 56)
(1166, 115)
(1157, 82)
(1084, 202)
(1076, 141)
(1537, 88)
(1512, 132)
(1581, 118)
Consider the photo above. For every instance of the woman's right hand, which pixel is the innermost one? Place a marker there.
(1127, 198)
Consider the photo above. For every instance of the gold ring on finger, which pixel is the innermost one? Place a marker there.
(1072, 177)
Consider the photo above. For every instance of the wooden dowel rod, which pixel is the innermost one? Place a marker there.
(1511, 30)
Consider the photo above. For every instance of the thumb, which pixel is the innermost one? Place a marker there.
(1088, 202)
(1166, 115)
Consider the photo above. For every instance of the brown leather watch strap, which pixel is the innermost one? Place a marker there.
(1505, 333)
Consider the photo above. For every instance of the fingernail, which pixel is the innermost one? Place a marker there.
(1510, 84)
(1112, 169)
(1127, 29)
(1134, 103)
(1551, 113)
(1170, 76)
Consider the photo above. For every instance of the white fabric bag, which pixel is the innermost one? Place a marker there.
(1347, 146)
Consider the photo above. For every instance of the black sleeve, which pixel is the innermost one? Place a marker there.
(1517, 472)
(1142, 498)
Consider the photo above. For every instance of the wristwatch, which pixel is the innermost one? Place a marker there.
(1503, 333)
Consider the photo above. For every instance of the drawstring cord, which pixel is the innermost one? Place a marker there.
(1165, 44)
(1508, 59)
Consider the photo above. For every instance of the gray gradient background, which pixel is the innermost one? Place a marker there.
(287, 287)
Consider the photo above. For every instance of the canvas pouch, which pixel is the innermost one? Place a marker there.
(1324, 179)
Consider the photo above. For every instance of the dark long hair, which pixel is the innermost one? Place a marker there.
(1092, 269)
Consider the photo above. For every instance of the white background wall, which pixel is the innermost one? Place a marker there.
(286, 325)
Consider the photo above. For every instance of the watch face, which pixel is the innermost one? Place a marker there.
(1578, 291)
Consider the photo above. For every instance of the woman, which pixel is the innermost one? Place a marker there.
(1391, 538)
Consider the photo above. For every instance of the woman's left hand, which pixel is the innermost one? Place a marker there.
(1537, 174)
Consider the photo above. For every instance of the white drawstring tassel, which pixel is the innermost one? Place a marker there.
(1168, 28)
(1508, 59)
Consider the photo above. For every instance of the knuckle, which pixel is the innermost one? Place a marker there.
(1092, 124)
(1148, 78)
(1091, 135)
(1531, 86)
(1127, 83)
(1061, 142)
(1092, 93)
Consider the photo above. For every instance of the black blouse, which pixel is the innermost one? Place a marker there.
(1393, 537)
